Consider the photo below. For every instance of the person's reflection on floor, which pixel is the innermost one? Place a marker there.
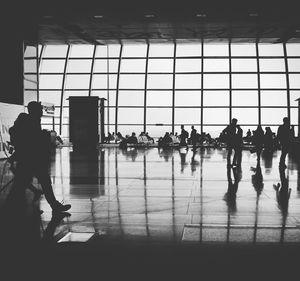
(48, 235)
(194, 163)
(257, 179)
(182, 152)
(283, 192)
(267, 157)
(165, 152)
(230, 195)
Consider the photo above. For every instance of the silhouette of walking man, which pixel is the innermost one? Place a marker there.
(33, 150)
(230, 136)
(284, 135)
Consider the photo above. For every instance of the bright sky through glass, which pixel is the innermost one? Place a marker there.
(199, 83)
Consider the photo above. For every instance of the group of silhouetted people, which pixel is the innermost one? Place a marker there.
(232, 135)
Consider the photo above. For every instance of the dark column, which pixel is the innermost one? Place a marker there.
(102, 133)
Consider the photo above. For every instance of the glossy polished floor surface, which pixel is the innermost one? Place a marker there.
(173, 195)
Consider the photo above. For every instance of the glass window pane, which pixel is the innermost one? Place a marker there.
(244, 98)
(215, 98)
(103, 66)
(50, 96)
(112, 116)
(30, 81)
(160, 65)
(186, 50)
(244, 81)
(59, 51)
(294, 118)
(100, 81)
(269, 98)
(132, 81)
(137, 65)
(101, 51)
(114, 50)
(164, 81)
(216, 81)
(131, 116)
(293, 96)
(294, 81)
(243, 65)
(214, 131)
(274, 65)
(156, 98)
(136, 50)
(77, 81)
(84, 51)
(29, 95)
(158, 131)
(188, 65)
(273, 115)
(83, 66)
(294, 65)
(30, 65)
(273, 81)
(245, 115)
(216, 65)
(131, 98)
(270, 49)
(243, 50)
(30, 51)
(215, 49)
(51, 81)
(215, 115)
(187, 81)
(161, 50)
(187, 115)
(293, 49)
(159, 115)
(187, 98)
(55, 66)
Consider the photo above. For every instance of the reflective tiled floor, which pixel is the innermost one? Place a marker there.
(171, 195)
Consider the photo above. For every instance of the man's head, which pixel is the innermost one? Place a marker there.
(35, 109)
(233, 121)
(286, 121)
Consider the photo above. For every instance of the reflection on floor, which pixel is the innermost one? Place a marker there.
(170, 195)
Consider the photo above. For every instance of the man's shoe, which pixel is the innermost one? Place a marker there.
(58, 207)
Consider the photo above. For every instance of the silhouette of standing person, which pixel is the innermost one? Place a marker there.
(33, 153)
(258, 141)
(230, 137)
(238, 143)
(183, 136)
(193, 137)
(284, 135)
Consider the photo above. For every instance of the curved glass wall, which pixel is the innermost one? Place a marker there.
(158, 87)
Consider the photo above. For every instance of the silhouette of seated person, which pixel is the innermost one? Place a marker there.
(132, 139)
(33, 152)
(248, 137)
(149, 138)
(166, 140)
(119, 137)
(175, 139)
(283, 192)
(109, 138)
